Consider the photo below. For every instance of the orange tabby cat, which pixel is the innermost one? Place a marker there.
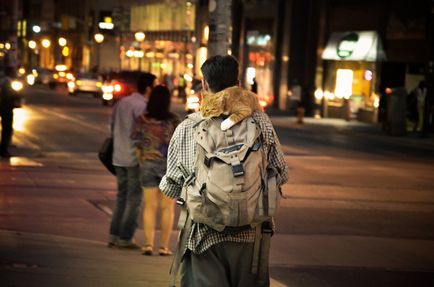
(236, 102)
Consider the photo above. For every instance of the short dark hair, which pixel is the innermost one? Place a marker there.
(220, 72)
(145, 80)
(158, 106)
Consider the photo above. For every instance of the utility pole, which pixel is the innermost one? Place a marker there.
(12, 59)
(220, 27)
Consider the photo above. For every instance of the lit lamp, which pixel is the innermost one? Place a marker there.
(140, 37)
(32, 44)
(36, 29)
(99, 38)
(46, 43)
(62, 42)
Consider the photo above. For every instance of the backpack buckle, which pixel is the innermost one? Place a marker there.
(256, 145)
(207, 161)
(238, 170)
(267, 228)
(180, 201)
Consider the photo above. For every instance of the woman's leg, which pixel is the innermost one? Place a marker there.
(167, 217)
(149, 210)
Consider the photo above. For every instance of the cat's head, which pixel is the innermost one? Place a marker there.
(212, 105)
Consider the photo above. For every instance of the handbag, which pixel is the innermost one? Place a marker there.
(105, 154)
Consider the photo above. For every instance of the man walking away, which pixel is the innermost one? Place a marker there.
(8, 100)
(129, 197)
(211, 257)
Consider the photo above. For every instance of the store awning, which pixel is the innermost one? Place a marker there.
(354, 46)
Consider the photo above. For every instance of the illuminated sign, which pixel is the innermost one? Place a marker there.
(354, 46)
(347, 45)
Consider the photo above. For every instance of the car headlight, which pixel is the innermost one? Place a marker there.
(17, 85)
(71, 85)
(107, 89)
(107, 96)
(30, 79)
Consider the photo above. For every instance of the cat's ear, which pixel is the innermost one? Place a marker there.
(204, 94)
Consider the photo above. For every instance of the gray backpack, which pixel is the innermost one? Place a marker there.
(233, 186)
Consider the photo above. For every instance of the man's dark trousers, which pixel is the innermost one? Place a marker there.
(7, 119)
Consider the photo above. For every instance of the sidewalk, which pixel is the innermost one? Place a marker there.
(54, 222)
(354, 129)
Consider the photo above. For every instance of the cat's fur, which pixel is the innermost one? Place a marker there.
(235, 102)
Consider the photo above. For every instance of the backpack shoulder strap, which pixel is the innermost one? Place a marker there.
(196, 118)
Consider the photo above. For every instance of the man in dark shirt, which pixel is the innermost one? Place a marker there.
(8, 99)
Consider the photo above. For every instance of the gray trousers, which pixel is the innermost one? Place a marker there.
(226, 264)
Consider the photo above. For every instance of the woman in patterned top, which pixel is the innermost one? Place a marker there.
(152, 134)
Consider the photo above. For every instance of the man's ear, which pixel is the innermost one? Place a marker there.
(148, 91)
(205, 85)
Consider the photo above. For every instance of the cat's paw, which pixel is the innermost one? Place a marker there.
(226, 124)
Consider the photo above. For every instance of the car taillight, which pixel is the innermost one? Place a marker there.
(263, 104)
(118, 88)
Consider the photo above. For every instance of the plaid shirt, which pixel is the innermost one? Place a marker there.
(182, 149)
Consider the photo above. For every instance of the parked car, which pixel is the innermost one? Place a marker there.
(43, 76)
(86, 83)
(118, 85)
(61, 76)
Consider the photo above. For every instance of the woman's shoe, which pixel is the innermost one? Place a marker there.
(164, 251)
(147, 250)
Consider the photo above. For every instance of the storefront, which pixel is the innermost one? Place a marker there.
(166, 46)
(258, 71)
(350, 88)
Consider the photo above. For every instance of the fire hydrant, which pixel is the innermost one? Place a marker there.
(300, 115)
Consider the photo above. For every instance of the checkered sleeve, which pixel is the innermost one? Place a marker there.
(172, 181)
(272, 146)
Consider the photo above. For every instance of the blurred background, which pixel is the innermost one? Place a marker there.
(333, 58)
(347, 84)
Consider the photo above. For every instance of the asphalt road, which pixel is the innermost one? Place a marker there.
(346, 181)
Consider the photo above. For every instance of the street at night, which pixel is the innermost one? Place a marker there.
(137, 144)
(358, 207)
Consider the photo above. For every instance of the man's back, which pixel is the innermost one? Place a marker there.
(125, 113)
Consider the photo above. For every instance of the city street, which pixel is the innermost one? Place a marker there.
(358, 209)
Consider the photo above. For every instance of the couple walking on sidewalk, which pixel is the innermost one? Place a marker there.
(141, 128)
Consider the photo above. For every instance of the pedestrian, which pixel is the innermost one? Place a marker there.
(9, 98)
(152, 134)
(129, 195)
(420, 92)
(254, 86)
(212, 257)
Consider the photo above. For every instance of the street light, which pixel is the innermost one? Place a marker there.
(62, 42)
(99, 38)
(46, 43)
(32, 44)
(140, 37)
(36, 29)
